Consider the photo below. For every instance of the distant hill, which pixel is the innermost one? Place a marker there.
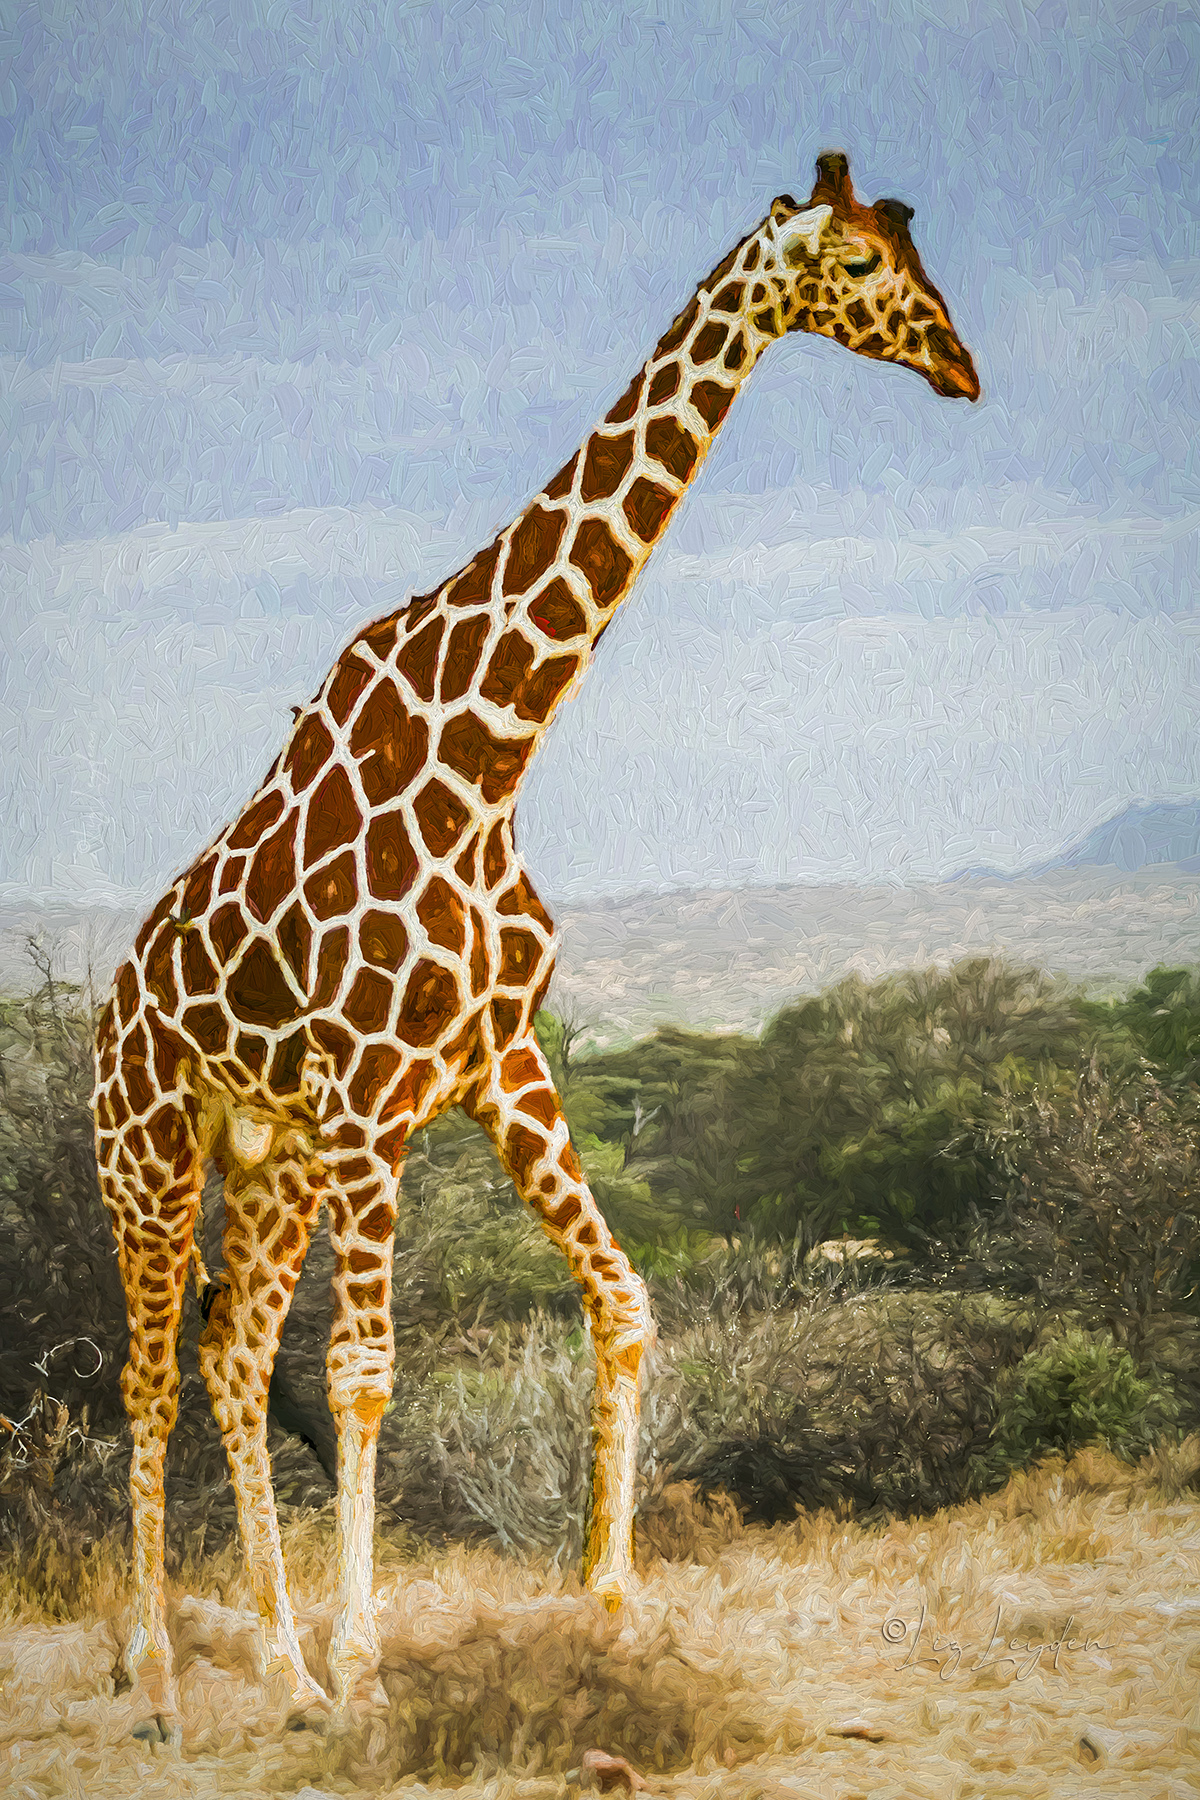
(1141, 837)
(1138, 838)
(717, 959)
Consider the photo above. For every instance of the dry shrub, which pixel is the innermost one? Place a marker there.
(1167, 1472)
(1103, 1193)
(497, 1671)
(883, 1401)
(58, 1270)
(677, 1523)
(741, 1275)
(496, 1447)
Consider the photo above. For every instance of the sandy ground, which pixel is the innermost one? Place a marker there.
(1044, 1642)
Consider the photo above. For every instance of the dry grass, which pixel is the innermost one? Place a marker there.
(752, 1665)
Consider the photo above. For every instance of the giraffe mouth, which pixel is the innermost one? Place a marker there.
(953, 373)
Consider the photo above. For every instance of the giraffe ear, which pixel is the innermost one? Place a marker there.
(798, 239)
(896, 214)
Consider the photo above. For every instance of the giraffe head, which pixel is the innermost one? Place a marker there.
(851, 272)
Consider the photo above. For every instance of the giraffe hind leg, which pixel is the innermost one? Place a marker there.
(270, 1208)
(150, 1180)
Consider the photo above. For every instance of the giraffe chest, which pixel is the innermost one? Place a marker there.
(373, 958)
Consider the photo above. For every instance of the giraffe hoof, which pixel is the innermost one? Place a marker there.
(361, 1699)
(311, 1710)
(307, 1719)
(157, 1728)
(611, 1587)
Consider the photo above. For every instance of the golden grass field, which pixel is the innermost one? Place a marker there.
(752, 1662)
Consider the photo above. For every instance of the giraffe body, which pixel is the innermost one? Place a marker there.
(362, 949)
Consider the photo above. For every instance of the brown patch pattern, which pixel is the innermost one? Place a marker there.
(533, 548)
(474, 586)
(664, 385)
(462, 655)
(349, 682)
(441, 818)
(332, 816)
(494, 765)
(606, 464)
(601, 559)
(647, 507)
(557, 612)
(417, 660)
(676, 449)
(712, 401)
(627, 405)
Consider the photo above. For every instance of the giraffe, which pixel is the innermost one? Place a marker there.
(362, 949)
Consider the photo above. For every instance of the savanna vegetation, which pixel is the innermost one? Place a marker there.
(1030, 1158)
(996, 1403)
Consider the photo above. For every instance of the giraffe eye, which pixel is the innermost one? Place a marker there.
(863, 268)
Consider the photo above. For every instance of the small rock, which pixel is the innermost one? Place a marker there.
(854, 1728)
(605, 1772)
(1100, 1745)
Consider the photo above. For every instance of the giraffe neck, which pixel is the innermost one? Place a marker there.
(502, 643)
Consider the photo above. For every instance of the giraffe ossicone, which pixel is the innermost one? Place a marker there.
(362, 949)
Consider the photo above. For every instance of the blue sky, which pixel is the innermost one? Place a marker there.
(299, 303)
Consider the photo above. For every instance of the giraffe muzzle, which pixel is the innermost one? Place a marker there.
(953, 373)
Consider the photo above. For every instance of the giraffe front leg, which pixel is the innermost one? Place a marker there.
(523, 1115)
(361, 1365)
(269, 1213)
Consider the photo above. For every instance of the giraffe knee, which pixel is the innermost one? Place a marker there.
(358, 1404)
(360, 1384)
(369, 1408)
(624, 1320)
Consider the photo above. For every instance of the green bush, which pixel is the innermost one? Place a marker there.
(1081, 1388)
(861, 1109)
(1163, 1019)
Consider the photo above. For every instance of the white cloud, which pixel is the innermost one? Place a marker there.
(147, 676)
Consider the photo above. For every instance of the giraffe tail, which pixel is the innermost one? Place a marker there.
(206, 1288)
(203, 1278)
